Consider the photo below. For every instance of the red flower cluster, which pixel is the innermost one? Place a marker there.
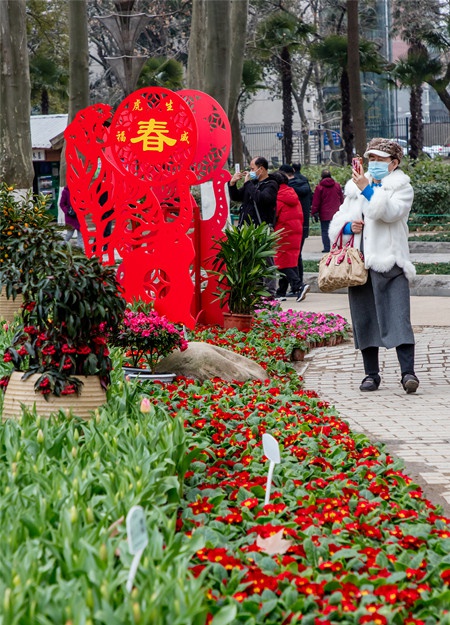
(361, 542)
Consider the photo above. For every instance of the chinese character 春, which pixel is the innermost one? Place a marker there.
(169, 105)
(120, 136)
(152, 134)
(137, 105)
(185, 137)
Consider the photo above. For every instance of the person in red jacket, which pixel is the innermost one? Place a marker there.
(289, 218)
(327, 198)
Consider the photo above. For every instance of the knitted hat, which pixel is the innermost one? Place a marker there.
(384, 147)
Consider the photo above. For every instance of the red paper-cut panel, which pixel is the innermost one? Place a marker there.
(213, 148)
(122, 217)
(154, 135)
(130, 174)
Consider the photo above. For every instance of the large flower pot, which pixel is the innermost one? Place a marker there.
(145, 375)
(297, 354)
(9, 307)
(21, 392)
(240, 322)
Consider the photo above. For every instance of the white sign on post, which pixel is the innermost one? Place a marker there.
(272, 452)
(137, 540)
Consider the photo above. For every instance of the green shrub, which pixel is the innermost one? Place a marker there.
(431, 202)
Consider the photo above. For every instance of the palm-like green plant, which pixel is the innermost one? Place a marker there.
(279, 36)
(242, 263)
(332, 52)
(412, 72)
(161, 72)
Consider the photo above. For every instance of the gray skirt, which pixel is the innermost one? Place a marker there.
(380, 310)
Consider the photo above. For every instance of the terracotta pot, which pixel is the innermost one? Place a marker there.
(9, 307)
(19, 392)
(240, 322)
(297, 354)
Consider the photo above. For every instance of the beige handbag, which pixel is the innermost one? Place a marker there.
(342, 266)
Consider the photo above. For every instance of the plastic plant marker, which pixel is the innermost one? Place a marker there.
(137, 540)
(272, 452)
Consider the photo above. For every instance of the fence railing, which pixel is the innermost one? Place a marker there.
(267, 139)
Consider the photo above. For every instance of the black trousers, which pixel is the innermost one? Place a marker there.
(289, 276)
(405, 355)
(300, 262)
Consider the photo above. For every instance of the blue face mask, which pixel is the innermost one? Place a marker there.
(378, 169)
(253, 175)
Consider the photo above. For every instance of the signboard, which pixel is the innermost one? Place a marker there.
(38, 155)
(336, 138)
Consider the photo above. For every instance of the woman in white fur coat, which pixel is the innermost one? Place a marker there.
(376, 210)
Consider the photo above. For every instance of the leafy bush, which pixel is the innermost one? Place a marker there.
(27, 239)
(431, 202)
(68, 315)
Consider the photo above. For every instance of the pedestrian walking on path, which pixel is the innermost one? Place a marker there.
(327, 198)
(301, 186)
(289, 223)
(71, 219)
(375, 211)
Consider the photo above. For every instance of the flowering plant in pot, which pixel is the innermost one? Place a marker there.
(242, 264)
(68, 315)
(146, 337)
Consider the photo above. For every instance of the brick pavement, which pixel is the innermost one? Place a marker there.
(415, 428)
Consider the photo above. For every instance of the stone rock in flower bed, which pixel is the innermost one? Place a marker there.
(203, 361)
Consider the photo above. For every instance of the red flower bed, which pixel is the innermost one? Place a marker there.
(346, 538)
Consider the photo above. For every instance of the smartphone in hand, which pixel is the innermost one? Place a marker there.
(357, 163)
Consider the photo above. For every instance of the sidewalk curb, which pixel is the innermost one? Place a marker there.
(434, 285)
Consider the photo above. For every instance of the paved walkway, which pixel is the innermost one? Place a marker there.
(415, 428)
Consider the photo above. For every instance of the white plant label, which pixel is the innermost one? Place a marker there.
(136, 530)
(272, 452)
(137, 540)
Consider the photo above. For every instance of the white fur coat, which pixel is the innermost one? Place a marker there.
(385, 222)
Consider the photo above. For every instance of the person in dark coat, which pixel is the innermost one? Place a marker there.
(289, 219)
(327, 198)
(70, 218)
(258, 194)
(301, 186)
(259, 197)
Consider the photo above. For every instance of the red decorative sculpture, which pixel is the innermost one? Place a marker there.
(130, 176)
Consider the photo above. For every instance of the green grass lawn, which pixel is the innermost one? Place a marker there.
(312, 266)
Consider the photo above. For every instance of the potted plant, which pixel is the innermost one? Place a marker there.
(27, 236)
(60, 347)
(146, 338)
(242, 264)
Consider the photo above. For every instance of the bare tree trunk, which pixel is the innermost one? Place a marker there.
(236, 140)
(78, 66)
(239, 10)
(286, 86)
(197, 39)
(16, 166)
(347, 126)
(416, 123)
(218, 57)
(78, 57)
(299, 98)
(354, 76)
